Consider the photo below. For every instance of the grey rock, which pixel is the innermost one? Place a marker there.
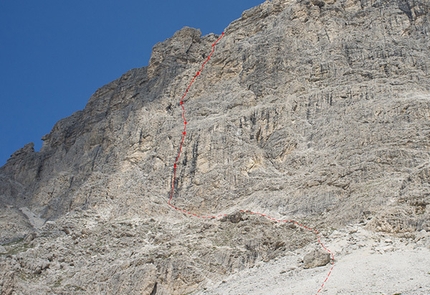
(308, 110)
(316, 258)
(34, 220)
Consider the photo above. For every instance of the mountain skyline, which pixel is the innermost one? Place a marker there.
(236, 163)
(54, 56)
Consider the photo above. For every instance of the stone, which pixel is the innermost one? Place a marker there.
(30, 237)
(234, 218)
(308, 110)
(316, 258)
(2, 250)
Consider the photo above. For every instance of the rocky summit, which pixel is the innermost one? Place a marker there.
(317, 111)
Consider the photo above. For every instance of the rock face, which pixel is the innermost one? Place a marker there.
(312, 110)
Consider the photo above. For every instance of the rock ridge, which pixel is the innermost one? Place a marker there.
(310, 110)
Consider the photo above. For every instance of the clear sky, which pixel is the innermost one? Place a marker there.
(55, 54)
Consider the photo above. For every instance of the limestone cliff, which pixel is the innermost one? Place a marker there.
(313, 110)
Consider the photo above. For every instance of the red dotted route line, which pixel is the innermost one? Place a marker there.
(176, 163)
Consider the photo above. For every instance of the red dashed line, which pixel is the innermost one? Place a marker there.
(176, 163)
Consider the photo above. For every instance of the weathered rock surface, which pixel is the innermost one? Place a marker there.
(312, 110)
(365, 264)
(316, 258)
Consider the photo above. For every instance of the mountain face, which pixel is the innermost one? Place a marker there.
(317, 111)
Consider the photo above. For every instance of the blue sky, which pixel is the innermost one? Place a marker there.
(55, 54)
